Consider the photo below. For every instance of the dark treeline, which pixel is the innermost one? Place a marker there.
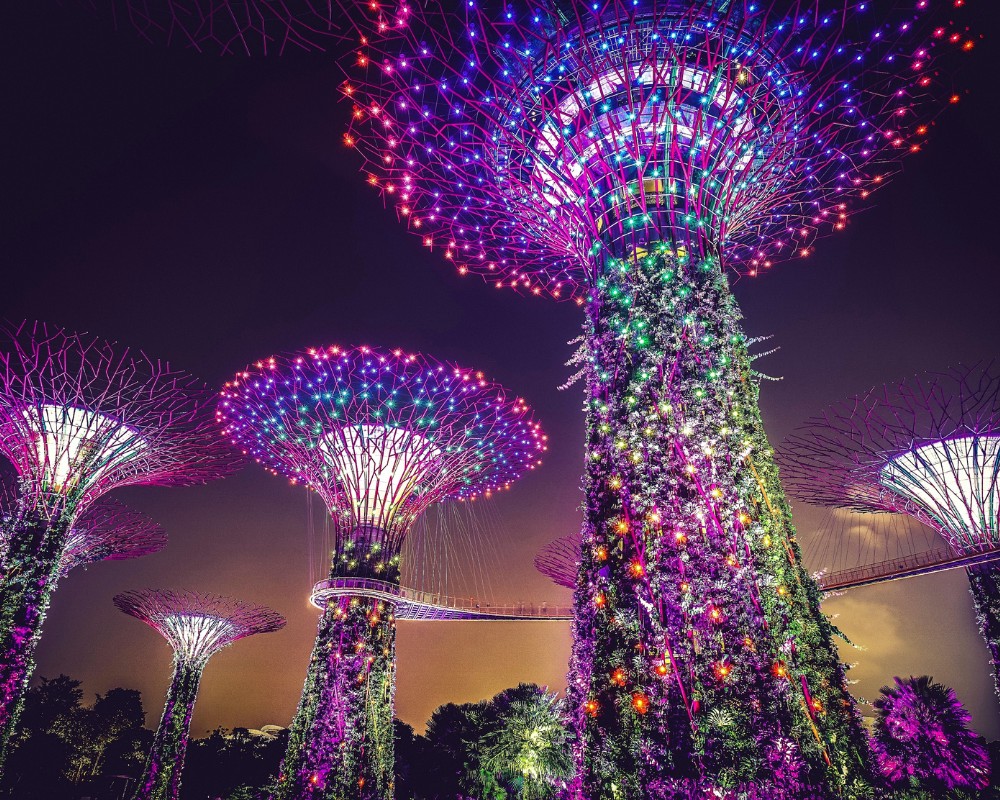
(512, 746)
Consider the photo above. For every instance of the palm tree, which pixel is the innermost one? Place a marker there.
(530, 745)
(923, 740)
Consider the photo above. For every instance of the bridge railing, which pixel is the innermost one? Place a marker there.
(903, 567)
(433, 599)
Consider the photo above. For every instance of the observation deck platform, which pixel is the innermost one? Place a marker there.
(426, 606)
(906, 567)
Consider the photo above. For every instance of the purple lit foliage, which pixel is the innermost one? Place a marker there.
(80, 417)
(924, 741)
(379, 436)
(196, 626)
(224, 27)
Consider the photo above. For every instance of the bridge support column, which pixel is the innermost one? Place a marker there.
(341, 741)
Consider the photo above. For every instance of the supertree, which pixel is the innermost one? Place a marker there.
(225, 27)
(379, 436)
(624, 154)
(929, 447)
(79, 418)
(196, 626)
(559, 560)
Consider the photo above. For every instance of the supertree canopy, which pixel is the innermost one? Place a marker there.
(559, 560)
(225, 27)
(928, 447)
(196, 626)
(379, 436)
(625, 153)
(111, 531)
(79, 418)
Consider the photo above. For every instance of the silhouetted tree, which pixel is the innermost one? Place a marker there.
(228, 762)
(456, 734)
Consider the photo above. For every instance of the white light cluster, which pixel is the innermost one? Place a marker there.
(196, 637)
(74, 447)
(379, 468)
(955, 483)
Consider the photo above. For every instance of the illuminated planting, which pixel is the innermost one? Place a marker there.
(225, 27)
(196, 626)
(626, 154)
(928, 447)
(379, 436)
(79, 418)
(559, 560)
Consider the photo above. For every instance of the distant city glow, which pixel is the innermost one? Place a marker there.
(955, 483)
(74, 446)
(379, 468)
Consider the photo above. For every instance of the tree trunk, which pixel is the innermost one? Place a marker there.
(701, 658)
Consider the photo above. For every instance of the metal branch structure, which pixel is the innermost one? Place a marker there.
(625, 154)
(224, 27)
(80, 417)
(111, 531)
(196, 626)
(379, 435)
(559, 560)
(928, 447)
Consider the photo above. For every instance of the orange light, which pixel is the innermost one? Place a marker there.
(591, 708)
(618, 677)
(600, 600)
(601, 553)
(636, 569)
(640, 703)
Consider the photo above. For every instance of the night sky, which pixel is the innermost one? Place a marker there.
(204, 210)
